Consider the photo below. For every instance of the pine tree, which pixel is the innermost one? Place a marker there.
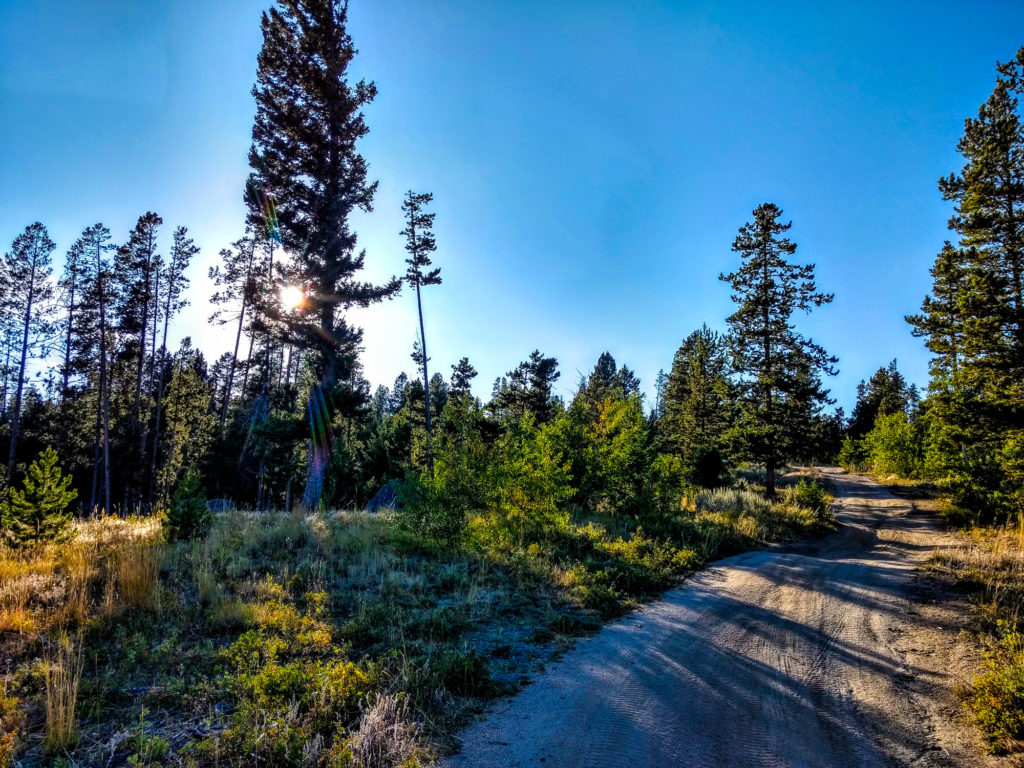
(137, 272)
(72, 285)
(463, 374)
(25, 283)
(697, 399)
(777, 366)
(527, 390)
(420, 243)
(974, 319)
(234, 278)
(308, 120)
(39, 512)
(94, 342)
(175, 283)
(884, 394)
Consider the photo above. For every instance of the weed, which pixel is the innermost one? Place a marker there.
(63, 669)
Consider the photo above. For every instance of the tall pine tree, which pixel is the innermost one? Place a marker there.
(26, 286)
(308, 121)
(778, 368)
(420, 243)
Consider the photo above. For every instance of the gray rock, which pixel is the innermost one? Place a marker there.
(386, 497)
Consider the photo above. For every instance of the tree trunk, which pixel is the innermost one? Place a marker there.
(426, 383)
(160, 388)
(16, 415)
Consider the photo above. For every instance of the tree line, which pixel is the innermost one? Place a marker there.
(968, 429)
(287, 416)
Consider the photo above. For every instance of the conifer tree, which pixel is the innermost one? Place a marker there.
(974, 319)
(527, 390)
(38, 512)
(93, 348)
(175, 282)
(463, 374)
(72, 283)
(884, 394)
(697, 399)
(420, 243)
(137, 267)
(777, 366)
(308, 121)
(234, 280)
(27, 288)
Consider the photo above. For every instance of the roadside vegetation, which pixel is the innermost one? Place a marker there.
(335, 638)
(963, 442)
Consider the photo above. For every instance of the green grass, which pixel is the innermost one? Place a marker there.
(330, 639)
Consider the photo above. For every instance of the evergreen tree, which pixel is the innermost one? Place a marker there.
(885, 394)
(697, 400)
(94, 343)
(420, 243)
(527, 390)
(234, 278)
(39, 511)
(308, 120)
(25, 284)
(462, 377)
(175, 283)
(72, 284)
(778, 368)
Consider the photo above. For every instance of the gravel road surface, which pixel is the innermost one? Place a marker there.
(818, 654)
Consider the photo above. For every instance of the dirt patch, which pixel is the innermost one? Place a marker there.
(837, 652)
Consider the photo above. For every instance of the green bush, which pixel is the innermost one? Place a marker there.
(853, 455)
(894, 446)
(810, 495)
(39, 512)
(997, 696)
(708, 467)
(188, 517)
(432, 509)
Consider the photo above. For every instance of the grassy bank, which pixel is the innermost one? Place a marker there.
(320, 640)
(988, 563)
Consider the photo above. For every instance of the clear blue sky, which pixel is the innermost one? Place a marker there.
(591, 161)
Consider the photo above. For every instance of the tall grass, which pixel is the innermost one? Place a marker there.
(62, 672)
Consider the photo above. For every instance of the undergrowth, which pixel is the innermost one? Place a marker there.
(329, 639)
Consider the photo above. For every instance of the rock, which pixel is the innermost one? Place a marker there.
(386, 497)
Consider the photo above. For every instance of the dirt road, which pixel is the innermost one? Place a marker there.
(824, 654)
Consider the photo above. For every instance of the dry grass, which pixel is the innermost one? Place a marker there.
(387, 736)
(63, 669)
(989, 562)
(136, 571)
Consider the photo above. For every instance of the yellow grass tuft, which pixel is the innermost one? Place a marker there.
(63, 670)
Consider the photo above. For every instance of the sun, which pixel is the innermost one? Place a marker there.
(292, 297)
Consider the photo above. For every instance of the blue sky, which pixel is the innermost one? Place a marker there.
(591, 161)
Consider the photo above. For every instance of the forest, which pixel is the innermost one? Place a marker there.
(209, 515)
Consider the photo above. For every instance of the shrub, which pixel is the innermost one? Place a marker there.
(997, 696)
(708, 467)
(531, 481)
(810, 495)
(188, 516)
(39, 512)
(893, 446)
(432, 509)
(852, 455)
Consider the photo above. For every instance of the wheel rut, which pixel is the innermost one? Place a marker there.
(781, 657)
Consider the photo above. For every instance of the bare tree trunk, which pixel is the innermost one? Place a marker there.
(426, 383)
(16, 415)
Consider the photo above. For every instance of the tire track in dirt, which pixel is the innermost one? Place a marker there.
(780, 657)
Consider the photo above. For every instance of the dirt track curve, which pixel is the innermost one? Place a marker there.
(821, 654)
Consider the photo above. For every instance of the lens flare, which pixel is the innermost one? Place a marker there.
(292, 297)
